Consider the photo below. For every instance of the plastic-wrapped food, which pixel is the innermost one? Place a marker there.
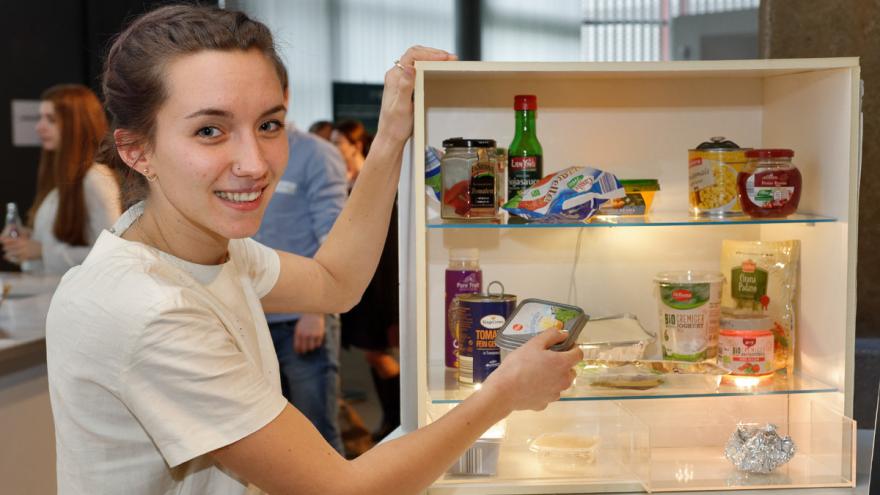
(432, 172)
(762, 279)
(571, 195)
(644, 375)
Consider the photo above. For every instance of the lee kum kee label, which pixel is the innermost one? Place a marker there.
(524, 163)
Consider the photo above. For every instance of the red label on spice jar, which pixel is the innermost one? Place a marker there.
(746, 352)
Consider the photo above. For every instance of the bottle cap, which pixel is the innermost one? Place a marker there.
(525, 102)
(464, 254)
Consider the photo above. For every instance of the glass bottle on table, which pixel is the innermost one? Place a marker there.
(12, 227)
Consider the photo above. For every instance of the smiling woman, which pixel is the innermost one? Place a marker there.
(162, 373)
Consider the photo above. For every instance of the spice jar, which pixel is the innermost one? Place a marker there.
(469, 176)
(770, 185)
(745, 344)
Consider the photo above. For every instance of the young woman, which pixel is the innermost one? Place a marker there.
(76, 198)
(163, 378)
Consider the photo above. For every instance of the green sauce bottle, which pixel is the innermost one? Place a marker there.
(525, 156)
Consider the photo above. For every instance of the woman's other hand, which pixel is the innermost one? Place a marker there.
(16, 250)
(396, 115)
(533, 376)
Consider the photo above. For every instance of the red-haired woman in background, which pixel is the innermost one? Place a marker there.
(76, 198)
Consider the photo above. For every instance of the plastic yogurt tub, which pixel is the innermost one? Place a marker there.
(689, 303)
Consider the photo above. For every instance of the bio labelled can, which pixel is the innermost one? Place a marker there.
(712, 171)
(476, 319)
(690, 310)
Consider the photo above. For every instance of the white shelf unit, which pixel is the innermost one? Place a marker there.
(638, 120)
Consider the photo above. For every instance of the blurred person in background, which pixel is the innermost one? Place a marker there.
(307, 200)
(373, 324)
(353, 142)
(76, 197)
(322, 129)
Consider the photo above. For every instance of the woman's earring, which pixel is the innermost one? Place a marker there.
(148, 176)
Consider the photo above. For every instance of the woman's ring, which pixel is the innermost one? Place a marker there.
(399, 66)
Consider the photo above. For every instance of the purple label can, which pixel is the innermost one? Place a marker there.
(458, 282)
(477, 319)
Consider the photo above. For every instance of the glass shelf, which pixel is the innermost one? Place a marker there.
(653, 220)
(445, 389)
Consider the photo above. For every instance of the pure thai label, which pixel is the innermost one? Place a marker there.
(458, 282)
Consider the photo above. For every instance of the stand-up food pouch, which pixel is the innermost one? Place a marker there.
(761, 278)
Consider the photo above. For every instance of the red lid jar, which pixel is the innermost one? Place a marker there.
(769, 186)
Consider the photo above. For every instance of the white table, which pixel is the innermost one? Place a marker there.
(27, 455)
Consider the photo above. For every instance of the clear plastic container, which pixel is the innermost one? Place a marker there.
(566, 451)
(614, 338)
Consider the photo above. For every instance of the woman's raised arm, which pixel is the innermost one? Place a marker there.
(339, 273)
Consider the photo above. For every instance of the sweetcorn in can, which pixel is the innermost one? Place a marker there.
(712, 171)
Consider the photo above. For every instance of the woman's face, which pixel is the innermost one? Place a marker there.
(219, 147)
(48, 127)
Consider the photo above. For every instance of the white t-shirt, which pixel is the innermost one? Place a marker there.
(101, 195)
(154, 361)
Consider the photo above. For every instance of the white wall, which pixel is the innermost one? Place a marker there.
(523, 30)
(303, 36)
(345, 41)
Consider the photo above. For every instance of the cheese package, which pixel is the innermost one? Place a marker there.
(569, 196)
(533, 316)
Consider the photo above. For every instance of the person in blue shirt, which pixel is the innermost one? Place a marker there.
(308, 198)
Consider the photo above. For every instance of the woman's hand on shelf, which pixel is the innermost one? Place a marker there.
(396, 115)
(533, 375)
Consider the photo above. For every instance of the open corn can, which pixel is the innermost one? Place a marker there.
(712, 171)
